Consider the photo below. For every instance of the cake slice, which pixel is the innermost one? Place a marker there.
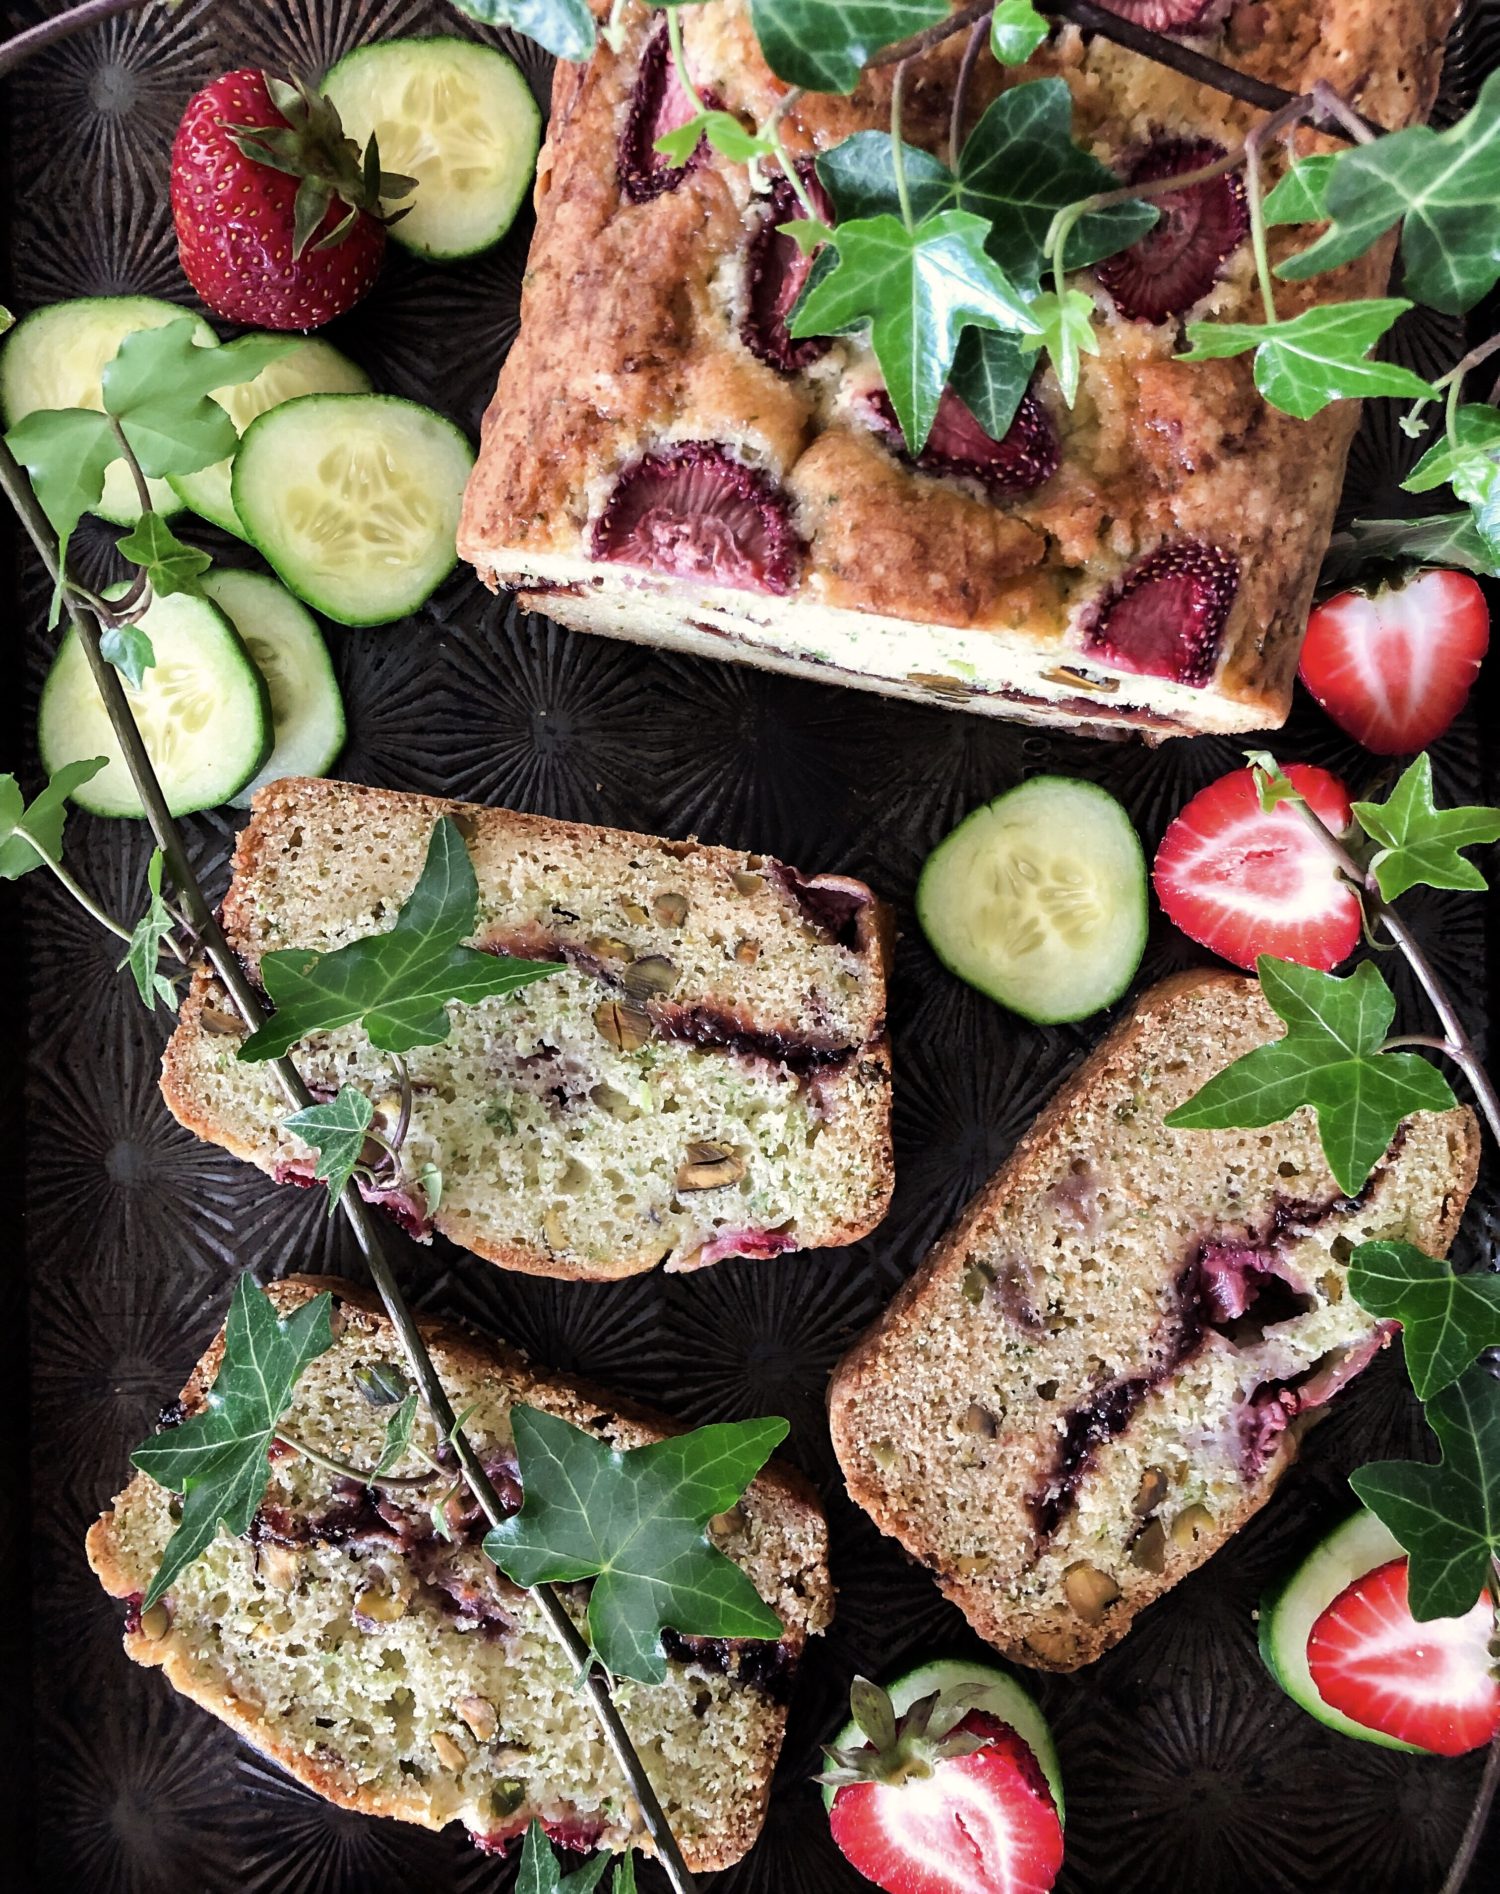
(398, 1673)
(1102, 1371)
(706, 1075)
(663, 461)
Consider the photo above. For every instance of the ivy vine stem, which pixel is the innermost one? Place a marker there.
(361, 1218)
(898, 149)
(36, 39)
(978, 33)
(79, 893)
(330, 1463)
(674, 39)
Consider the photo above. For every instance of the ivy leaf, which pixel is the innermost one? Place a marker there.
(1329, 1058)
(1016, 30)
(1301, 197)
(1307, 361)
(143, 956)
(397, 984)
(1447, 1320)
(1420, 842)
(540, 1874)
(990, 375)
(336, 1131)
(824, 45)
(129, 650)
(1440, 186)
(918, 290)
(218, 1460)
(624, 1881)
(170, 565)
(66, 453)
(1439, 539)
(1448, 1516)
(42, 820)
(634, 1522)
(564, 27)
(1067, 334)
(397, 1434)
(859, 174)
(158, 387)
(1468, 460)
(722, 130)
(1019, 167)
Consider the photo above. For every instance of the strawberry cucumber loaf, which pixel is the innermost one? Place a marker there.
(1102, 1371)
(664, 462)
(707, 1074)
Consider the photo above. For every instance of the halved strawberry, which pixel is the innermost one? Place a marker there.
(1177, 263)
(1172, 16)
(984, 1823)
(1245, 882)
(1165, 617)
(1394, 667)
(1429, 1684)
(692, 510)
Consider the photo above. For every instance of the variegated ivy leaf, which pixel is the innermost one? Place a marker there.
(1309, 360)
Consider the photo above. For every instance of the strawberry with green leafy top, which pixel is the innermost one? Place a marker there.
(277, 212)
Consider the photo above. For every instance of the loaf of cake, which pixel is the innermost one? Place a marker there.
(396, 1672)
(663, 462)
(1103, 1370)
(706, 1075)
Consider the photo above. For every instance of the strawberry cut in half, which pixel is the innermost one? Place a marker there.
(1394, 667)
(1244, 882)
(984, 1823)
(1432, 1684)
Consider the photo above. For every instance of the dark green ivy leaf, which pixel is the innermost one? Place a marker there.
(1448, 1516)
(918, 290)
(634, 1521)
(1437, 539)
(990, 374)
(1447, 1320)
(1467, 458)
(143, 957)
(825, 44)
(1440, 186)
(170, 565)
(540, 1874)
(399, 984)
(1307, 361)
(43, 820)
(337, 1132)
(218, 1460)
(1420, 843)
(1330, 1059)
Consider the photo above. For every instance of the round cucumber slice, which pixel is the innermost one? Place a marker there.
(283, 639)
(314, 367)
(1290, 1610)
(1003, 1698)
(1039, 899)
(203, 709)
(354, 500)
(56, 357)
(457, 117)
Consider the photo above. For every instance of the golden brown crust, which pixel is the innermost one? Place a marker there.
(780, 1484)
(630, 336)
(878, 1353)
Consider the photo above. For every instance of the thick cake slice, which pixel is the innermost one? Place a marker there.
(664, 462)
(1102, 1371)
(707, 1075)
(399, 1674)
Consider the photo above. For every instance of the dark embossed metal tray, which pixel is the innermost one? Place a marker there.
(1185, 1767)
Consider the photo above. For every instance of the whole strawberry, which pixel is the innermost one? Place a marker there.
(278, 213)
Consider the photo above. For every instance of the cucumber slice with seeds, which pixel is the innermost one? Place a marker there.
(1039, 899)
(56, 357)
(354, 500)
(457, 117)
(203, 709)
(314, 367)
(1001, 1697)
(283, 639)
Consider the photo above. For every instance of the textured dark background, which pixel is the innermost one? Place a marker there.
(1185, 1768)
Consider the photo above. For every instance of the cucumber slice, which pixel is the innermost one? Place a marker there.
(283, 639)
(56, 357)
(203, 709)
(457, 117)
(1039, 899)
(354, 500)
(1289, 1611)
(1003, 1698)
(314, 367)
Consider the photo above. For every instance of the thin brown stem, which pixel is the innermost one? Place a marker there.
(127, 454)
(330, 1463)
(924, 41)
(36, 39)
(1478, 1820)
(978, 34)
(361, 1219)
